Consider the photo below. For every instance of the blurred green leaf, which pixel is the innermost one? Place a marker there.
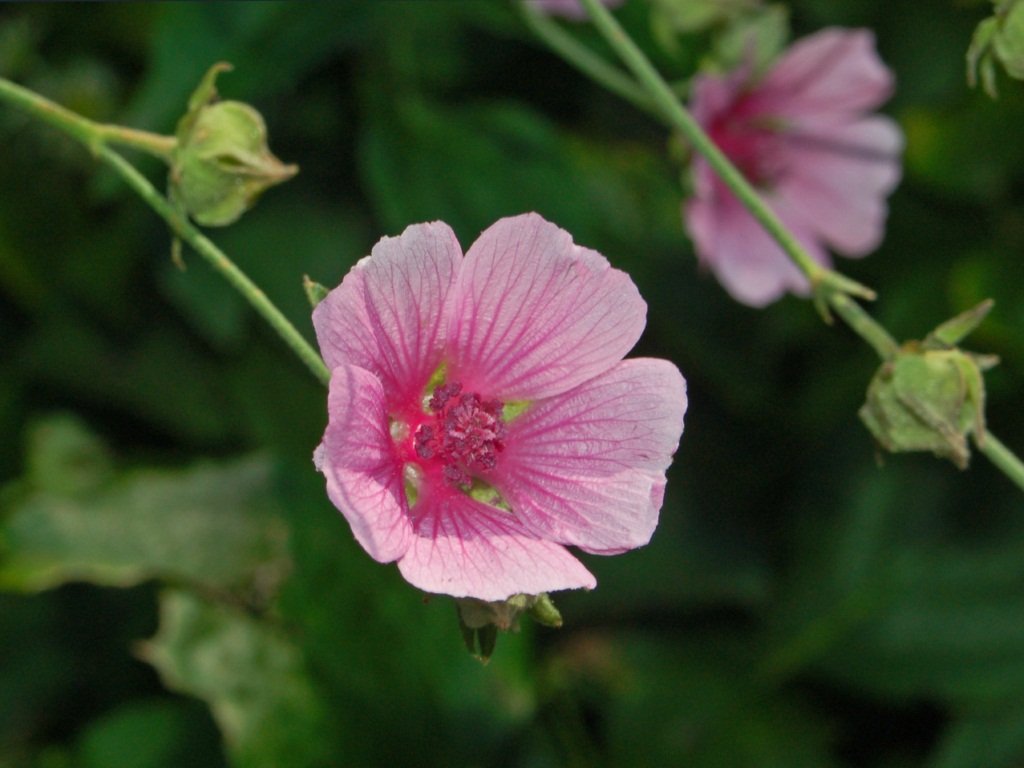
(471, 165)
(161, 375)
(993, 738)
(212, 524)
(146, 734)
(252, 676)
(689, 699)
(276, 41)
(963, 152)
(892, 604)
(282, 240)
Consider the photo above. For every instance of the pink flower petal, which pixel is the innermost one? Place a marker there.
(387, 316)
(745, 259)
(535, 315)
(841, 176)
(364, 478)
(834, 70)
(464, 548)
(587, 467)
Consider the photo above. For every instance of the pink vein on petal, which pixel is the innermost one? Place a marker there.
(387, 316)
(535, 315)
(585, 467)
(364, 477)
(464, 548)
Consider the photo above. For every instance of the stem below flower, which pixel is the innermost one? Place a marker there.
(95, 137)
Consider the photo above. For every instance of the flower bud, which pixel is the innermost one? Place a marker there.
(222, 163)
(998, 38)
(931, 395)
(315, 292)
(480, 620)
(1008, 44)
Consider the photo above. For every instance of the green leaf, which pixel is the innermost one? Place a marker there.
(212, 523)
(253, 678)
(153, 733)
(696, 700)
(160, 375)
(889, 601)
(992, 738)
(470, 166)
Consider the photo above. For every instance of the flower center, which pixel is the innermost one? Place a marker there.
(465, 435)
(753, 145)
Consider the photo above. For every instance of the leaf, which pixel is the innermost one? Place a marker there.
(691, 699)
(994, 739)
(212, 524)
(889, 603)
(276, 42)
(253, 678)
(144, 377)
(153, 733)
(471, 165)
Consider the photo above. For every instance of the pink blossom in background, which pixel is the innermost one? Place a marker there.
(480, 414)
(802, 136)
(570, 9)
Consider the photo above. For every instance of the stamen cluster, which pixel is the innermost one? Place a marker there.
(466, 434)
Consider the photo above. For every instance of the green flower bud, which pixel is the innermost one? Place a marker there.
(755, 40)
(480, 620)
(931, 395)
(315, 292)
(1008, 44)
(998, 38)
(222, 163)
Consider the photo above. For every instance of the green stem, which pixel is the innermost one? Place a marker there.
(152, 143)
(217, 259)
(85, 130)
(1002, 457)
(95, 137)
(864, 325)
(585, 60)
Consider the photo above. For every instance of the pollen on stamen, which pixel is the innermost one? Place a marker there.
(465, 437)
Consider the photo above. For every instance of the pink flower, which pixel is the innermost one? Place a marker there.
(481, 415)
(571, 9)
(801, 136)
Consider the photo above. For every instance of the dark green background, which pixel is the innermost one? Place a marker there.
(799, 605)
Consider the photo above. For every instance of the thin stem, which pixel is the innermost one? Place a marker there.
(95, 137)
(151, 143)
(90, 133)
(864, 325)
(585, 60)
(217, 259)
(1002, 457)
